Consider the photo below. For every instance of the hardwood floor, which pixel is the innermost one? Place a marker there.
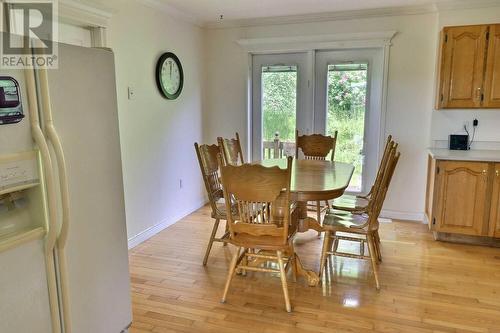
(426, 286)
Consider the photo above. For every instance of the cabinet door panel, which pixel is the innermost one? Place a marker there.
(462, 197)
(492, 80)
(495, 205)
(463, 66)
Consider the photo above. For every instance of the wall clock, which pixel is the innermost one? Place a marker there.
(169, 75)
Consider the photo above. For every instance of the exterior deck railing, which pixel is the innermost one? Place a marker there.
(277, 148)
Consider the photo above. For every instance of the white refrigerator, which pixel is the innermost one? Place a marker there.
(63, 243)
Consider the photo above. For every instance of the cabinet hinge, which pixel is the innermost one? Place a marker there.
(446, 38)
(433, 221)
(482, 97)
(442, 97)
(487, 35)
(437, 170)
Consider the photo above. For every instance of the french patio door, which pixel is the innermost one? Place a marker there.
(281, 102)
(348, 99)
(320, 92)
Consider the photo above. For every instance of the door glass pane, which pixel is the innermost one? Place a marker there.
(346, 108)
(279, 107)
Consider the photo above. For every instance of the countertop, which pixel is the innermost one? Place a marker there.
(465, 155)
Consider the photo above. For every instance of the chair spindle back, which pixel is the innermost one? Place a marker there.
(379, 193)
(389, 144)
(315, 146)
(231, 150)
(262, 197)
(209, 166)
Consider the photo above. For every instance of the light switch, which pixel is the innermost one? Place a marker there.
(131, 93)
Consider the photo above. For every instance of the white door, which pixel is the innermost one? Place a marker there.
(281, 101)
(348, 98)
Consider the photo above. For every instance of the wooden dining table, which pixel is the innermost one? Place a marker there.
(313, 180)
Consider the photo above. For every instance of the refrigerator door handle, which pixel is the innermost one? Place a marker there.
(51, 237)
(55, 142)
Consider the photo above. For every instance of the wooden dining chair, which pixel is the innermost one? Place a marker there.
(362, 228)
(263, 226)
(231, 150)
(359, 203)
(207, 157)
(316, 147)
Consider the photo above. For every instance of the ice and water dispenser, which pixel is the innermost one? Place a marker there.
(11, 108)
(21, 196)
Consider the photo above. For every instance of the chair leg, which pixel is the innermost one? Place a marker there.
(283, 281)
(318, 215)
(230, 274)
(211, 241)
(324, 255)
(335, 242)
(293, 260)
(245, 261)
(376, 244)
(327, 203)
(226, 230)
(373, 253)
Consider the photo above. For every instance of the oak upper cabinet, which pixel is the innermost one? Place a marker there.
(461, 199)
(495, 205)
(469, 74)
(492, 79)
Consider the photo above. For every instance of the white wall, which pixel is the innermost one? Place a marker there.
(445, 122)
(156, 134)
(410, 91)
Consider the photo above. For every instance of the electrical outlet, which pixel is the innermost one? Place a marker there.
(475, 122)
(131, 93)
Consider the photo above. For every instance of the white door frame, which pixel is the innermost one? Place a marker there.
(373, 115)
(311, 44)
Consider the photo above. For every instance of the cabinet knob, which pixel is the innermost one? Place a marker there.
(484, 172)
(497, 173)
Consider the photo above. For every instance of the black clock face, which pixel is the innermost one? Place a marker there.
(169, 76)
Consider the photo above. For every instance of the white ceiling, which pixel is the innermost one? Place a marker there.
(209, 11)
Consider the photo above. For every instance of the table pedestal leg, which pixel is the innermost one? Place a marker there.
(306, 222)
(311, 277)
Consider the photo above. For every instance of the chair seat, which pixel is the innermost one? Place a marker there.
(343, 221)
(259, 242)
(350, 202)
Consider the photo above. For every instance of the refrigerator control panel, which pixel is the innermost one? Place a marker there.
(18, 171)
(11, 108)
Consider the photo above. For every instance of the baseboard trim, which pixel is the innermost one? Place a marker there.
(406, 216)
(151, 231)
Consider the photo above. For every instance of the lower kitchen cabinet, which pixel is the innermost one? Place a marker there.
(463, 198)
